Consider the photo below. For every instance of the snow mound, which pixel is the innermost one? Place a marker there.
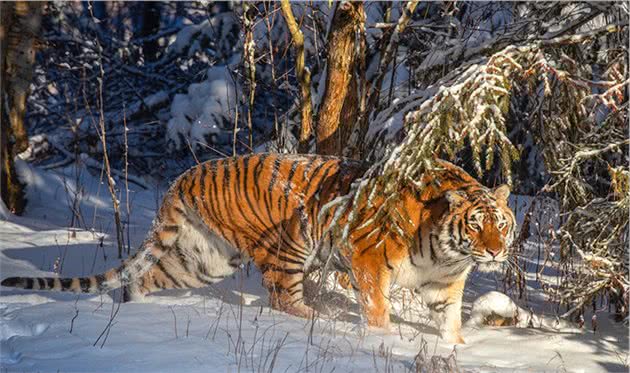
(203, 115)
(216, 36)
(8, 355)
(11, 327)
(492, 307)
(497, 309)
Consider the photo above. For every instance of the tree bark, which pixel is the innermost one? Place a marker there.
(20, 23)
(150, 26)
(339, 106)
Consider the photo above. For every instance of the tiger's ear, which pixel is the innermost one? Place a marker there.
(455, 197)
(502, 192)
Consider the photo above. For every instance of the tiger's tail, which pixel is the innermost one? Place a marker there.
(133, 268)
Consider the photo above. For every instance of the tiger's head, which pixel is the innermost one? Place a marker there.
(480, 225)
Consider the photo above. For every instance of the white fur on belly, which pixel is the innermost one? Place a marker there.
(214, 252)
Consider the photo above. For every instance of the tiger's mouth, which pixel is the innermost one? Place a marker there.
(488, 263)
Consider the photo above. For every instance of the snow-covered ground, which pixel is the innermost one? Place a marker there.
(229, 327)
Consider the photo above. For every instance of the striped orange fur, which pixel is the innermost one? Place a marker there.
(265, 208)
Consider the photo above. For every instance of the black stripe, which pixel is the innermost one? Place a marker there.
(175, 282)
(141, 283)
(257, 170)
(254, 210)
(421, 242)
(432, 249)
(451, 228)
(272, 181)
(285, 258)
(180, 193)
(296, 283)
(439, 306)
(293, 292)
(29, 283)
(218, 199)
(289, 184)
(186, 284)
(181, 258)
(190, 189)
(236, 257)
(237, 178)
(84, 283)
(50, 282)
(42, 283)
(307, 169)
(203, 280)
(272, 267)
(227, 176)
(411, 258)
(150, 258)
(202, 269)
(65, 283)
(100, 280)
(238, 198)
(315, 206)
(386, 258)
(137, 268)
(297, 300)
(214, 205)
(159, 283)
(202, 190)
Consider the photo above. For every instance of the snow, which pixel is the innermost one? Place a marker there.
(201, 116)
(229, 327)
(500, 305)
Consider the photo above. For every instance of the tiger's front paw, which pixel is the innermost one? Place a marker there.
(379, 320)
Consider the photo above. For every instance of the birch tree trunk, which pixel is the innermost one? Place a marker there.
(19, 27)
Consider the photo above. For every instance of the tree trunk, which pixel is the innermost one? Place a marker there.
(339, 111)
(150, 26)
(20, 22)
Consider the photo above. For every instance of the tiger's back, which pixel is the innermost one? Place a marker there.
(263, 207)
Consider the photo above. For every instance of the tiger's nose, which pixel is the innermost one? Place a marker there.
(494, 251)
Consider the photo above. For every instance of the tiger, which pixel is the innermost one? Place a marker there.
(267, 209)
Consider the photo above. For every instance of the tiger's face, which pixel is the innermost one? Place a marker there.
(484, 225)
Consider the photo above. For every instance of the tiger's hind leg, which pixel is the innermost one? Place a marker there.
(169, 273)
(286, 290)
(184, 269)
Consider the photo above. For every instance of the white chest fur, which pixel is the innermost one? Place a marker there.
(423, 271)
